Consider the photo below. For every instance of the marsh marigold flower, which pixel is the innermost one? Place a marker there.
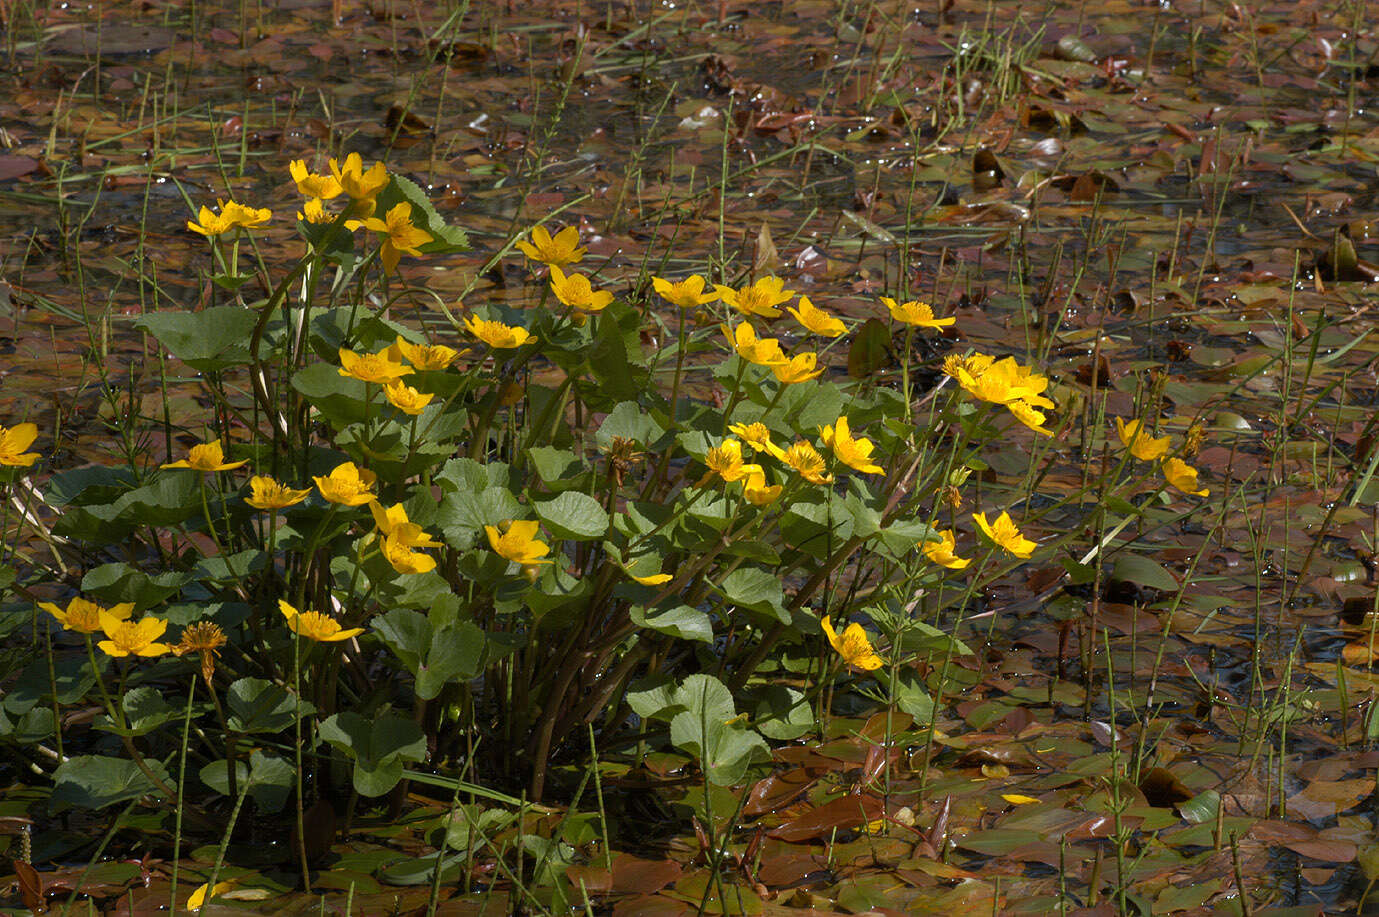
(426, 357)
(205, 639)
(1030, 416)
(760, 298)
(267, 494)
(381, 368)
(800, 368)
(758, 436)
(359, 183)
(84, 617)
(943, 551)
(553, 251)
(817, 320)
(757, 491)
(1141, 445)
(398, 232)
(321, 187)
(206, 457)
(347, 485)
(916, 313)
(760, 351)
(519, 543)
(247, 217)
(575, 291)
(1006, 534)
(316, 626)
(314, 211)
(852, 644)
(392, 521)
(725, 460)
(808, 463)
(853, 452)
(1183, 476)
(405, 398)
(497, 335)
(133, 638)
(404, 560)
(687, 294)
(209, 223)
(13, 441)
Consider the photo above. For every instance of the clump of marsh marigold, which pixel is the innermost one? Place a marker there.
(206, 639)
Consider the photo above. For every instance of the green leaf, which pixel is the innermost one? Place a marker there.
(444, 237)
(555, 467)
(94, 781)
(120, 582)
(1201, 808)
(682, 622)
(703, 729)
(208, 340)
(378, 747)
(259, 706)
(435, 657)
(574, 516)
(757, 589)
(1138, 569)
(266, 780)
(144, 710)
(628, 421)
(340, 399)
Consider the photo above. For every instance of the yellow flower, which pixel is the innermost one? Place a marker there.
(1006, 534)
(132, 638)
(316, 626)
(758, 436)
(314, 211)
(393, 523)
(497, 335)
(808, 463)
(725, 460)
(817, 320)
(801, 368)
(855, 453)
(999, 382)
(321, 187)
(519, 543)
(14, 440)
(268, 494)
(245, 217)
(1030, 416)
(760, 298)
(403, 559)
(426, 357)
(762, 352)
(84, 617)
(574, 291)
(654, 579)
(944, 551)
(559, 251)
(1141, 445)
(347, 485)
(212, 223)
(358, 183)
(687, 294)
(914, 312)
(1183, 476)
(398, 232)
(207, 457)
(853, 645)
(405, 398)
(382, 367)
(757, 491)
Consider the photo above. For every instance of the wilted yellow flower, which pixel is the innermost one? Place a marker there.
(853, 645)
(817, 320)
(497, 335)
(800, 368)
(84, 617)
(316, 626)
(205, 639)
(321, 187)
(762, 352)
(757, 491)
(405, 398)
(519, 543)
(399, 234)
(358, 183)
(132, 638)
(14, 440)
(382, 367)
(426, 357)
(1006, 534)
(1030, 416)
(206, 457)
(760, 298)
(944, 551)
(554, 252)
(1141, 445)
(1183, 476)
(914, 312)
(855, 453)
(725, 460)
(267, 494)
(808, 463)
(204, 894)
(758, 436)
(347, 485)
(574, 291)
(687, 294)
